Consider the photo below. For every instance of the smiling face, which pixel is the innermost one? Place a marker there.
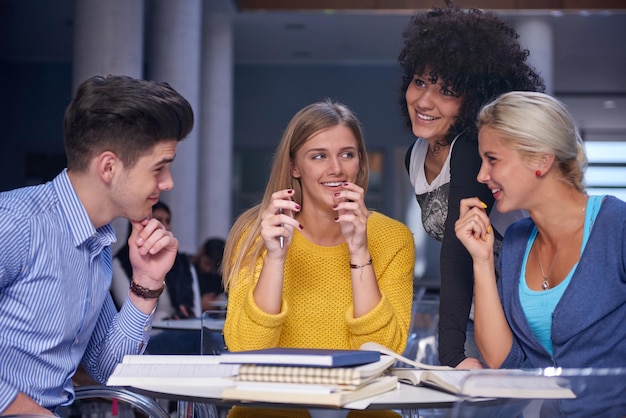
(507, 175)
(326, 160)
(136, 189)
(432, 108)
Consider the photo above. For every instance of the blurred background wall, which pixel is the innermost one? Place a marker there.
(247, 66)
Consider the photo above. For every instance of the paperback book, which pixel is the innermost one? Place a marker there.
(305, 394)
(173, 374)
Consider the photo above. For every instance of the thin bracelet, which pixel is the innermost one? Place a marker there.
(355, 266)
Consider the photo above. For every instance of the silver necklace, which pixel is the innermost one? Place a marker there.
(545, 285)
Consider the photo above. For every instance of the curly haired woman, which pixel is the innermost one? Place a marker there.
(454, 61)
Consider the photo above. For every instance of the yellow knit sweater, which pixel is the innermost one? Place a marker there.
(317, 307)
(317, 310)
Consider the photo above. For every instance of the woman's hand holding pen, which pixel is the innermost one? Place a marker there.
(474, 230)
(278, 222)
(352, 215)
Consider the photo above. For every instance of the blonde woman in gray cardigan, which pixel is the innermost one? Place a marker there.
(561, 297)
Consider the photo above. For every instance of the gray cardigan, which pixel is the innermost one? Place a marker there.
(589, 322)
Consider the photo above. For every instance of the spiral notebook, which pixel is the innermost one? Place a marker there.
(346, 377)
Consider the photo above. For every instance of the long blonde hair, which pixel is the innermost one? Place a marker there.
(243, 252)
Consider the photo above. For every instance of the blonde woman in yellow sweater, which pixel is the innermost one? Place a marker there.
(311, 266)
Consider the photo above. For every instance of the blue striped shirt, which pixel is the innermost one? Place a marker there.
(55, 306)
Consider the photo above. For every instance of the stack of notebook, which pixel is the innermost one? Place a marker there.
(309, 376)
(278, 375)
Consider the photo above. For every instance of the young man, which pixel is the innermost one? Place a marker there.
(55, 257)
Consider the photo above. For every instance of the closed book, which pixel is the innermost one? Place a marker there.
(173, 374)
(348, 377)
(514, 384)
(303, 394)
(302, 357)
(170, 359)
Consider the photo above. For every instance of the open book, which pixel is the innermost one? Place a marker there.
(497, 383)
(490, 383)
(304, 394)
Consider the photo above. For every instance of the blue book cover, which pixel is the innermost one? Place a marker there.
(311, 357)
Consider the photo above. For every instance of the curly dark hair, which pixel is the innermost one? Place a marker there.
(474, 52)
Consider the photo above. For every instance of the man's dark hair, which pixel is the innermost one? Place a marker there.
(124, 115)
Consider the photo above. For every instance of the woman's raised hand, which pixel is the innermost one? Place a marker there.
(474, 230)
(352, 215)
(278, 223)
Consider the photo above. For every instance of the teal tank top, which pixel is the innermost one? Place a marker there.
(538, 306)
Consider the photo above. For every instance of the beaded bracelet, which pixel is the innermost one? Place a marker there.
(355, 266)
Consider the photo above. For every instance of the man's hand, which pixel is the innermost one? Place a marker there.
(152, 252)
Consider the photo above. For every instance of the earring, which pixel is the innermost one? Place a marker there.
(538, 173)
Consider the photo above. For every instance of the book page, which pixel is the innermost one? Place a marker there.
(170, 359)
(452, 380)
(129, 374)
(333, 398)
(488, 383)
(384, 350)
(448, 380)
(284, 387)
(516, 384)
